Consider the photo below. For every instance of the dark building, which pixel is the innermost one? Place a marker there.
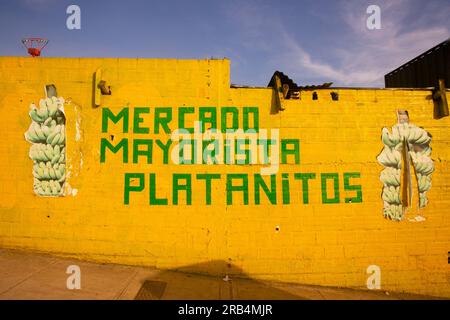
(424, 71)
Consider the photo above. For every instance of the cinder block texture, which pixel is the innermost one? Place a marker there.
(325, 233)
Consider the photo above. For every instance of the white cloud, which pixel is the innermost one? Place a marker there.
(374, 53)
(365, 55)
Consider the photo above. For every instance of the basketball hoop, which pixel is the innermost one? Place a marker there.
(34, 45)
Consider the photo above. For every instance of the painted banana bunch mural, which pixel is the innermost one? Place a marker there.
(406, 143)
(47, 134)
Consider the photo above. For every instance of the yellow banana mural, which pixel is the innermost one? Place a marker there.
(47, 137)
(417, 143)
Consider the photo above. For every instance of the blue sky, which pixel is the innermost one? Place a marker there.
(312, 41)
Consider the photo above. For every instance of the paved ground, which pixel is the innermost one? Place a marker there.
(27, 275)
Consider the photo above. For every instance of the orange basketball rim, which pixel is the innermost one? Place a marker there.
(34, 45)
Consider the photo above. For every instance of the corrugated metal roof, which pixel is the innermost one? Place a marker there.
(292, 88)
(423, 71)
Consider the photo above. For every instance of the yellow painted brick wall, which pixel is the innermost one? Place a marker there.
(323, 244)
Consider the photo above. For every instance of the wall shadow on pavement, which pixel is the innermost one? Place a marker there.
(209, 281)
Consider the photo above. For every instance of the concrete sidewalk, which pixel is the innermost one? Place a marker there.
(27, 275)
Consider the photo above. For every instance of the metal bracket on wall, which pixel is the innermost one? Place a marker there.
(50, 91)
(440, 97)
(100, 87)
